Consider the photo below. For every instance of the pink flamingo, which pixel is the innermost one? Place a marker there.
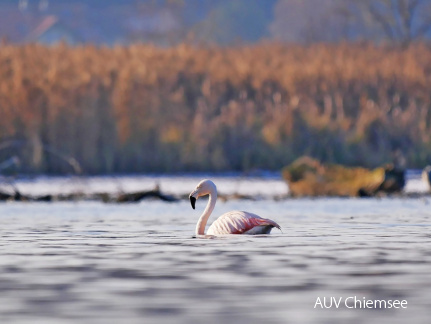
(234, 222)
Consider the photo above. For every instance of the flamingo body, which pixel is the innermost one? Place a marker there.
(240, 222)
(234, 222)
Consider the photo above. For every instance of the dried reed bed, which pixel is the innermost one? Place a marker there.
(142, 108)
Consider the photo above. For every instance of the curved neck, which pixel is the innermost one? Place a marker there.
(202, 222)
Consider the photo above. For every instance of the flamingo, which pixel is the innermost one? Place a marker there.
(234, 222)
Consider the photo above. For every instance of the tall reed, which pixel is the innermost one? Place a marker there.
(141, 108)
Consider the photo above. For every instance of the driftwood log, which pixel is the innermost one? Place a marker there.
(17, 196)
(105, 197)
(140, 195)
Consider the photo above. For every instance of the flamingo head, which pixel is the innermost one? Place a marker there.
(205, 187)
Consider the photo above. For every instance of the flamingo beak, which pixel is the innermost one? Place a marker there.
(192, 201)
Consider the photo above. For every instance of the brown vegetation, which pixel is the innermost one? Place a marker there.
(307, 177)
(142, 108)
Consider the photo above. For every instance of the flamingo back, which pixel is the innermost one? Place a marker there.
(240, 222)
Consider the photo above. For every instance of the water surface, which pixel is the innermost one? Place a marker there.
(91, 262)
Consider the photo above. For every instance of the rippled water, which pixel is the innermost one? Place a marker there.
(100, 263)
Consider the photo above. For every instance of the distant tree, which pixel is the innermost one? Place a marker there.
(400, 21)
(229, 21)
(310, 21)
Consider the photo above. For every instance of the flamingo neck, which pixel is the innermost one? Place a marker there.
(202, 222)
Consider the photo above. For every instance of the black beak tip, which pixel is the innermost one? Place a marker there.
(193, 201)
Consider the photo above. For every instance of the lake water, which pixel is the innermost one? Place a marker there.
(90, 262)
